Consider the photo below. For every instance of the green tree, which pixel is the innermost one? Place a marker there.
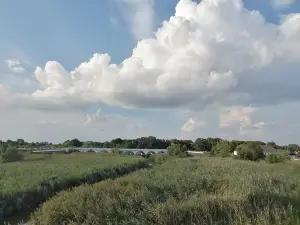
(202, 144)
(278, 157)
(222, 148)
(293, 148)
(273, 144)
(76, 143)
(250, 151)
(10, 154)
(116, 151)
(177, 150)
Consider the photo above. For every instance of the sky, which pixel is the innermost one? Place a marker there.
(102, 69)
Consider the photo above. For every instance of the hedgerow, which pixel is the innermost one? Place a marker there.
(204, 191)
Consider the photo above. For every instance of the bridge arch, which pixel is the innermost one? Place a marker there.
(128, 153)
(161, 152)
(151, 153)
(140, 153)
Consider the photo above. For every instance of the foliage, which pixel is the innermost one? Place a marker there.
(273, 144)
(278, 157)
(202, 191)
(250, 151)
(202, 144)
(116, 151)
(72, 143)
(177, 150)
(293, 148)
(26, 184)
(222, 148)
(9, 154)
(158, 159)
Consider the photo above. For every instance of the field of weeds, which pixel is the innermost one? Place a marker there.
(202, 191)
(25, 184)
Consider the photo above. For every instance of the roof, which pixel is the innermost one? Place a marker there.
(267, 149)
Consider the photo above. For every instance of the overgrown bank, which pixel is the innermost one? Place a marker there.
(208, 190)
(24, 185)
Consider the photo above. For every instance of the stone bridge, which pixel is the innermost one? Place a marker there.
(123, 150)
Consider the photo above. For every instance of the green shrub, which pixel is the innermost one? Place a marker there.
(250, 151)
(177, 150)
(116, 151)
(278, 157)
(9, 154)
(158, 159)
(222, 149)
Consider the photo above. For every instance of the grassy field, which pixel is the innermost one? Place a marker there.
(190, 191)
(25, 184)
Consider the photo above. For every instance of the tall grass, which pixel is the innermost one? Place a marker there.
(204, 191)
(24, 185)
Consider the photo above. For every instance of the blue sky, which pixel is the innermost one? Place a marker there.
(70, 32)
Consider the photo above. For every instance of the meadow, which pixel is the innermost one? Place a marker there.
(25, 184)
(187, 191)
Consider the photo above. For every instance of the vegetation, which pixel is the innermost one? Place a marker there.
(9, 154)
(158, 159)
(202, 191)
(25, 184)
(277, 157)
(222, 148)
(177, 150)
(200, 144)
(250, 151)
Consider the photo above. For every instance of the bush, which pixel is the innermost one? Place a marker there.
(222, 148)
(158, 159)
(177, 150)
(278, 157)
(10, 155)
(116, 151)
(250, 151)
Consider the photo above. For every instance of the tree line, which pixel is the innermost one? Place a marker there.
(151, 142)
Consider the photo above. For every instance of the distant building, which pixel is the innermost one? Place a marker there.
(267, 149)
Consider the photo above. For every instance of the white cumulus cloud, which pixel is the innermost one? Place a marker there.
(140, 16)
(242, 117)
(215, 51)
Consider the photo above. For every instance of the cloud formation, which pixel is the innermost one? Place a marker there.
(212, 52)
(103, 121)
(140, 16)
(280, 4)
(242, 118)
(15, 66)
(191, 125)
